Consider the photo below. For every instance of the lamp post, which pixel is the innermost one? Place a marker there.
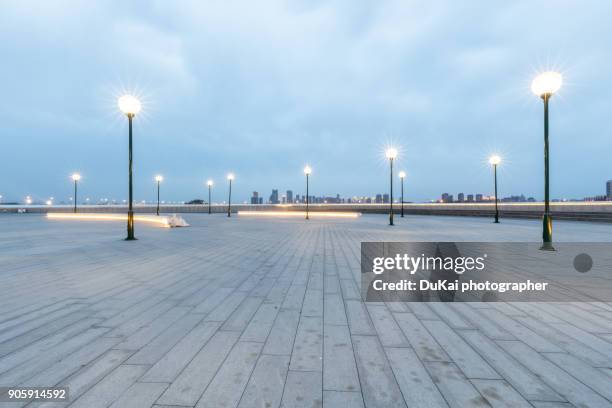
(130, 106)
(158, 179)
(75, 178)
(391, 154)
(494, 161)
(307, 172)
(209, 183)
(402, 176)
(544, 86)
(230, 178)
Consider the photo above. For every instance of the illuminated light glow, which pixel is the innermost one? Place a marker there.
(129, 105)
(547, 83)
(402, 174)
(231, 176)
(28, 200)
(210, 183)
(159, 178)
(391, 153)
(161, 221)
(49, 202)
(300, 214)
(76, 177)
(494, 160)
(307, 170)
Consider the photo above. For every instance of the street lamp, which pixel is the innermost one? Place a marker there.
(494, 161)
(230, 177)
(391, 154)
(402, 176)
(209, 183)
(544, 86)
(130, 106)
(75, 177)
(158, 179)
(307, 172)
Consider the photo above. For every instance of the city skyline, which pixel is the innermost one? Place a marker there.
(219, 95)
(291, 196)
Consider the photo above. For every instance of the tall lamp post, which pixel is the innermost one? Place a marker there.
(494, 161)
(75, 177)
(402, 176)
(307, 172)
(209, 183)
(230, 178)
(158, 179)
(544, 86)
(391, 154)
(130, 106)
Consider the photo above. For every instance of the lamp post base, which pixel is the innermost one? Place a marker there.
(547, 233)
(130, 227)
(547, 246)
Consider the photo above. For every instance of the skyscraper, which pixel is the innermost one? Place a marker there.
(255, 198)
(274, 197)
(460, 197)
(609, 189)
(289, 197)
(447, 198)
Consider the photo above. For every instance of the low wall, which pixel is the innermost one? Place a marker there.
(577, 211)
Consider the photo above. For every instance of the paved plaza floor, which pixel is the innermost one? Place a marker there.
(246, 312)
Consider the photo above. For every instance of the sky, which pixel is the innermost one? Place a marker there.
(263, 88)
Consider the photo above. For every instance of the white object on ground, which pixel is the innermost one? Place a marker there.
(176, 221)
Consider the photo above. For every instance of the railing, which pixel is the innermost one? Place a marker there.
(579, 211)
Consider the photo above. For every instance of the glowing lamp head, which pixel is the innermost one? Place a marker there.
(209, 183)
(159, 178)
(494, 160)
(391, 153)
(75, 177)
(230, 176)
(129, 105)
(547, 83)
(307, 170)
(402, 174)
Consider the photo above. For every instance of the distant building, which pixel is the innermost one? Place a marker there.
(385, 198)
(447, 198)
(379, 199)
(274, 197)
(609, 189)
(597, 198)
(513, 199)
(479, 198)
(460, 197)
(470, 198)
(255, 198)
(289, 197)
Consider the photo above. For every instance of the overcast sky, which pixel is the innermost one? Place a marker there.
(261, 88)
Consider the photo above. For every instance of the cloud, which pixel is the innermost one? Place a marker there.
(263, 87)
